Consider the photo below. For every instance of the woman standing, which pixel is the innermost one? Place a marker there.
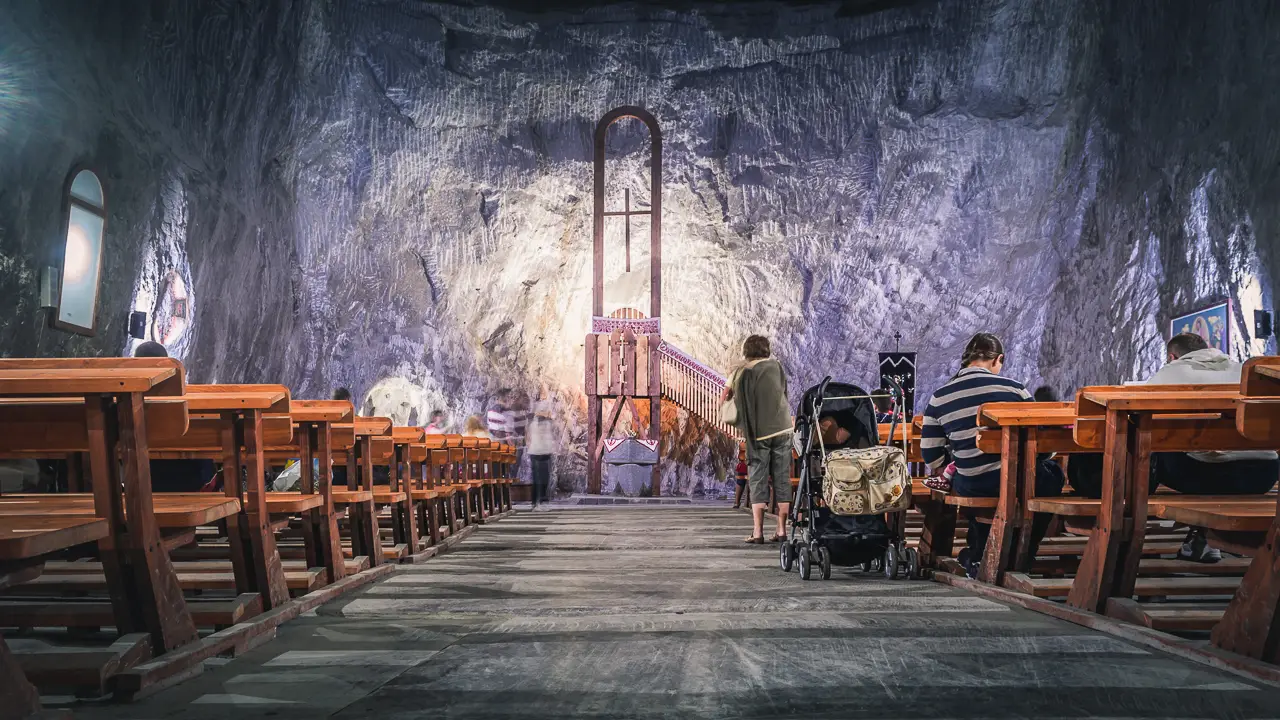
(542, 446)
(759, 393)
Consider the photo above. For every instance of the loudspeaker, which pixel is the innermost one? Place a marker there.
(1261, 324)
(138, 325)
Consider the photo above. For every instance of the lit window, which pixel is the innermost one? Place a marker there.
(82, 254)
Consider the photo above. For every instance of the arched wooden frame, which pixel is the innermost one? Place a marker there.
(69, 201)
(655, 208)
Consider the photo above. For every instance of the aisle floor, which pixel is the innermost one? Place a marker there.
(663, 612)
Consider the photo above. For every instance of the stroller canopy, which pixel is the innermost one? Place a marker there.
(845, 403)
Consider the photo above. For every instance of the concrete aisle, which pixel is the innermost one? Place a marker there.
(661, 612)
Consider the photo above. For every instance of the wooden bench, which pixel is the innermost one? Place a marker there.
(143, 586)
(237, 413)
(360, 464)
(25, 540)
(1251, 623)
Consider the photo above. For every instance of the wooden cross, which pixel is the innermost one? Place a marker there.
(626, 214)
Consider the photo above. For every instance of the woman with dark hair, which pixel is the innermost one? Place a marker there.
(759, 392)
(950, 434)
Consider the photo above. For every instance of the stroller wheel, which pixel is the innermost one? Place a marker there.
(824, 562)
(806, 566)
(913, 564)
(867, 566)
(891, 563)
(786, 555)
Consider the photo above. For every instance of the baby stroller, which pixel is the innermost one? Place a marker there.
(820, 538)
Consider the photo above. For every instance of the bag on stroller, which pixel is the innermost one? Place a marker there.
(838, 513)
(866, 480)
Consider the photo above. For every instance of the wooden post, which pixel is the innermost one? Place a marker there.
(126, 596)
(306, 480)
(329, 540)
(1005, 524)
(372, 533)
(163, 608)
(1024, 554)
(1095, 577)
(264, 557)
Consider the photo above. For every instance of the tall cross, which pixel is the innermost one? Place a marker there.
(626, 214)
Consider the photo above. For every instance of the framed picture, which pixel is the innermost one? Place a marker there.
(1213, 323)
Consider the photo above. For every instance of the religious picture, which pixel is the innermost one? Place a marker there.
(1212, 323)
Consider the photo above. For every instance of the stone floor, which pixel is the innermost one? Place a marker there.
(662, 612)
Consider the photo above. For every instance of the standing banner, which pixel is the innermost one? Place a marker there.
(901, 368)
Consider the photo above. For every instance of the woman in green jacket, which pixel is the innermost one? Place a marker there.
(759, 392)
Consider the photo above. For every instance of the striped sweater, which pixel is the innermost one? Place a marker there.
(950, 420)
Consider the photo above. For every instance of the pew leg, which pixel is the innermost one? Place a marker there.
(939, 532)
(409, 511)
(330, 543)
(311, 538)
(18, 697)
(373, 534)
(149, 571)
(1135, 523)
(364, 532)
(1251, 625)
(432, 508)
(1096, 575)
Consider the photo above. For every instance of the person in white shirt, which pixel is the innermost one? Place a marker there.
(542, 445)
(1193, 362)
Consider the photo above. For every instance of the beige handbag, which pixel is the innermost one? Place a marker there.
(866, 481)
(729, 408)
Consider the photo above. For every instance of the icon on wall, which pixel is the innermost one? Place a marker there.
(173, 308)
(1213, 323)
(901, 368)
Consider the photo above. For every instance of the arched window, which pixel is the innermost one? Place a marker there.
(86, 220)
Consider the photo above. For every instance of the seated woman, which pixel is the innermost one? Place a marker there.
(950, 434)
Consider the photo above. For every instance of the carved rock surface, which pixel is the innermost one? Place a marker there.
(396, 195)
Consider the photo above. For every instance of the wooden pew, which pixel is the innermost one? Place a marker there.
(1157, 418)
(1131, 417)
(315, 440)
(239, 411)
(456, 474)
(360, 463)
(1251, 624)
(404, 512)
(305, 430)
(144, 589)
(1019, 426)
(24, 543)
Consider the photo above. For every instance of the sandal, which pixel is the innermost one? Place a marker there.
(778, 538)
(939, 483)
(755, 540)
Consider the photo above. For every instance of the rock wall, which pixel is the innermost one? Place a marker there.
(396, 195)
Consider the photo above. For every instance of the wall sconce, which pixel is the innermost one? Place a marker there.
(49, 287)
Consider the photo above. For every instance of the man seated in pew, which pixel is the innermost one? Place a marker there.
(950, 432)
(176, 475)
(1249, 472)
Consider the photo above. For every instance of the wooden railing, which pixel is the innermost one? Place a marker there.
(693, 386)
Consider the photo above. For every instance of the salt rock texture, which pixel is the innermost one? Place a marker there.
(396, 195)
